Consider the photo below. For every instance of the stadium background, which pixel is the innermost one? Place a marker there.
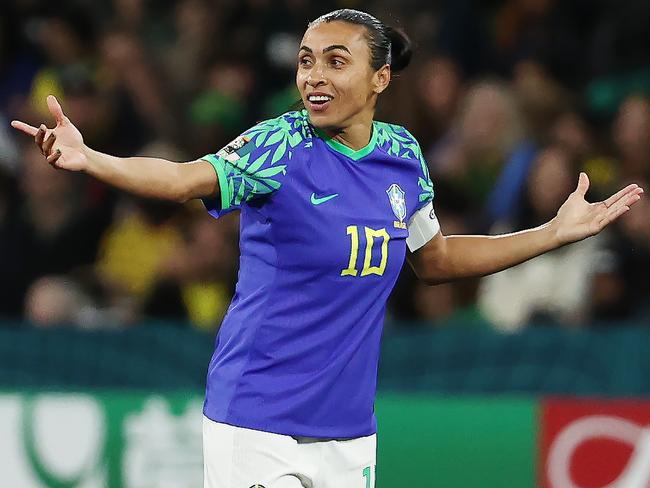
(109, 304)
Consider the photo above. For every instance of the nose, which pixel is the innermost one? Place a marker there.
(316, 76)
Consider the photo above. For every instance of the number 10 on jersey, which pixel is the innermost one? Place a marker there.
(370, 235)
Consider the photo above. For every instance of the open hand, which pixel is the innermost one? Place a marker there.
(63, 146)
(578, 219)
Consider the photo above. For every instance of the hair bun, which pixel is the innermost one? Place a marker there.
(401, 49)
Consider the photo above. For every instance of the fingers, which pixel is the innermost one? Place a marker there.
(635, 196)
(612, 216)
(40, 136)
(55, 109)
(23, 127)
(54, 157)
(45, 139)
(583, 184)
(621, 193)
(628, 198)
(621, 206)
(47, 145)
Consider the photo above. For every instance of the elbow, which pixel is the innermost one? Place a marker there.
(430, 276)
(432, 280)
(432, 263)
(181, 197)
(439, 271)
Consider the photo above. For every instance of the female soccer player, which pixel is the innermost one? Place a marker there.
(330, 199)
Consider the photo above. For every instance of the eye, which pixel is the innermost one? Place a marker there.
(337, 63)
(304, 61)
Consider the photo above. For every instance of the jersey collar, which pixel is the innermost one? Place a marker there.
(348, 151)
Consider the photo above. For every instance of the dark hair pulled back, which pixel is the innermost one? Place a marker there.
(387, 44)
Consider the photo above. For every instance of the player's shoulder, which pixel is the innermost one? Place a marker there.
(397, 141)
(290, 129)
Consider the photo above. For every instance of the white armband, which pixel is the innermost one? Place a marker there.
(422, 227)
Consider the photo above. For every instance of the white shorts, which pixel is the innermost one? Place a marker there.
(235, 457)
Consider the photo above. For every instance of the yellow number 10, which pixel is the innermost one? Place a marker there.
(353, 232)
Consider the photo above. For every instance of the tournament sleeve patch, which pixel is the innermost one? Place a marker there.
(236, 149)
(251, 166)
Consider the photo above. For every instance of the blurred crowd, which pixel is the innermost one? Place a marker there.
(509, 99)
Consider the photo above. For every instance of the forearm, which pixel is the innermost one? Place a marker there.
(483, 255)
(152, 177)
(470, 256)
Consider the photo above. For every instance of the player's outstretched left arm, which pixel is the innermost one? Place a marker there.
(446, 258)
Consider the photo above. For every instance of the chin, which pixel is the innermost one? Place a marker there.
(324, 120)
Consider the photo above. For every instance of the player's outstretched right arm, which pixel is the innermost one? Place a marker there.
(63, 148)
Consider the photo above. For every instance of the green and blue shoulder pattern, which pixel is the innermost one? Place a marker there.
(399, 142)
(255, 163)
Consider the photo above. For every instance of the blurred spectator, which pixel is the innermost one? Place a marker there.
(129, 67)
(449, 303)
(571, 131)
(54, 301)
(67, 40)
(143, 234)
(439, 88)
(522, 30)
(490, 83)
(541, 97)
(217, 114)
(552, 287)
(463, 35)
(197, 280)
(133, 249)
(52, 229)
(8, 149)
(434, 303)
(489, 129)
(632, 137)
(18, 60)
(185, 59)
(625, 289)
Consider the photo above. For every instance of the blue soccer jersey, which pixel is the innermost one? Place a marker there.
(323, 239)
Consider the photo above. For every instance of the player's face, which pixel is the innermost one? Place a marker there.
(336, 82)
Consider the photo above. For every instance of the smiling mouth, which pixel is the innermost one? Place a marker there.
(319, 103)
(319, 99)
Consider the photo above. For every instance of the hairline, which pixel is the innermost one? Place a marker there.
(366, 35)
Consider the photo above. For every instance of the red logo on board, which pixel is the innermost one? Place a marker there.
(595, 444)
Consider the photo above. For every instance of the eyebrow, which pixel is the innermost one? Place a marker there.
(333, 47)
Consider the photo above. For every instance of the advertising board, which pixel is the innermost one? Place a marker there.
(595, 443)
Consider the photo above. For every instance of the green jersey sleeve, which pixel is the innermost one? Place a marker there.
(424, 180)
(255, 163)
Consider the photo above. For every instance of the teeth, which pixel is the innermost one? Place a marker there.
(319, 98)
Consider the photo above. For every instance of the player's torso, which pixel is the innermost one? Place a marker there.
(298, 351)
(342, 219)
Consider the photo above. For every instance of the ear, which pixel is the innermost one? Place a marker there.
(381, 79)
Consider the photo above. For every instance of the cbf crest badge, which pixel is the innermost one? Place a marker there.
(398, 204)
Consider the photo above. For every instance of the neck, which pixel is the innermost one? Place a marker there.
(355, 135)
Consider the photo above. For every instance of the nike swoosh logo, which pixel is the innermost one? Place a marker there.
(318, 200)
